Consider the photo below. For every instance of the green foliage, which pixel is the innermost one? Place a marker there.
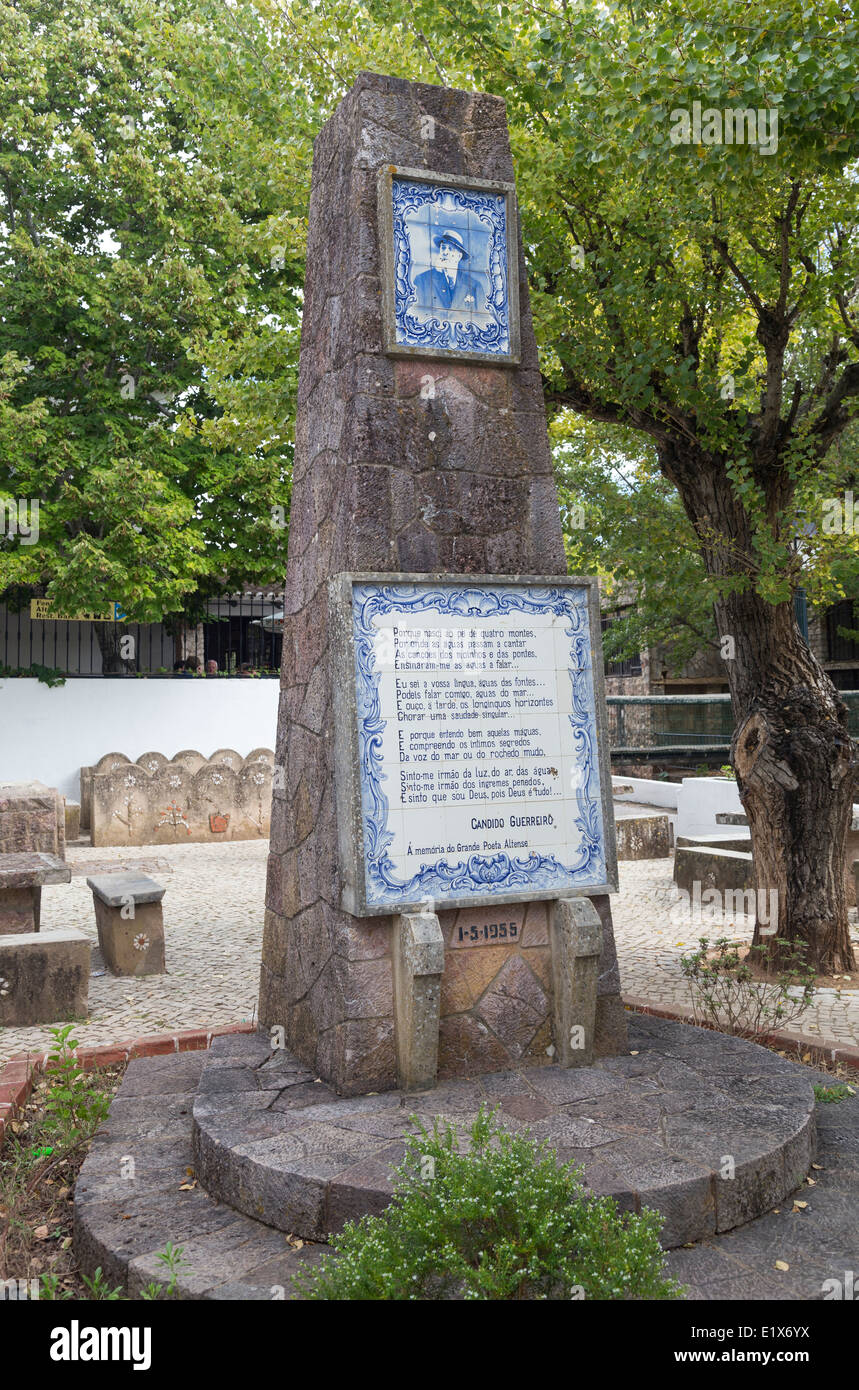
(654, 268)
(831, 1095)
(493, 1217)
(99, 1289)
(47, 675)
(73, 1108)
(156, 158)
(727, 995)
(172, 1257)
(123, 247)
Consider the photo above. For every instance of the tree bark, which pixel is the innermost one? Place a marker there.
(791, 750)
(109, 636)
(794, 763)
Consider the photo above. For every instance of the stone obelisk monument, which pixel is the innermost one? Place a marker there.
(403, 464)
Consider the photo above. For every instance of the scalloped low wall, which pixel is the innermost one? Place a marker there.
(185, 799)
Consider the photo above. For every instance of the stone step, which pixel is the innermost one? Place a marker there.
(650, 1130)
(123, 1222)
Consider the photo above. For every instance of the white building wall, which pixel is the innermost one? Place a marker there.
(47, 735)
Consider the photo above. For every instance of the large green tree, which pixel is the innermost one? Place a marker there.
(123, 250)
(703, 295)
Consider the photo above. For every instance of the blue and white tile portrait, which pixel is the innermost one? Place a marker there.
(451, 284)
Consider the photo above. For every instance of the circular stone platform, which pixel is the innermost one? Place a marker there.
(709, 1130)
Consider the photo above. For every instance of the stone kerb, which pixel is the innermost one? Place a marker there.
(188, 799)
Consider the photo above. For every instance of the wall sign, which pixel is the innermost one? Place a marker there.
(470, 760)
(450, 282)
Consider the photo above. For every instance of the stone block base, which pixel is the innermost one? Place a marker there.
(20, 910)
(722, 869)
(44, 977)
(643, 837)
(131, 945)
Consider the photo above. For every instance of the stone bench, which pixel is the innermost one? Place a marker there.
(44, 977)
(130, 923)
(641, 835)
(722, 869)
(21, 880)
(739, 840)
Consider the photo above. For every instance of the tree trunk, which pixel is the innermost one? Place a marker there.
(794, 762)
(113, 663)
(791, 750)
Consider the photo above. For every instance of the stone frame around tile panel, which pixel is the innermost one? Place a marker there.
(348, 784)
(392, 346)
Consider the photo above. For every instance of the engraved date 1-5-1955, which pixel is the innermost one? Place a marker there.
(490, 931)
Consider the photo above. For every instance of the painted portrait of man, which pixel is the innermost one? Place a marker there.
(447, 284)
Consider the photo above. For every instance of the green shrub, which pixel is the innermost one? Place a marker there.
(728, 996)
(498, 1220)
(73, 1108)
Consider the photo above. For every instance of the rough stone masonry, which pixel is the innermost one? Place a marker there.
(389, 477)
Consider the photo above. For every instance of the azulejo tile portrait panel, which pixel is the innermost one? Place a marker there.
(449, 271)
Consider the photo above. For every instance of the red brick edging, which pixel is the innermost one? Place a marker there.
(18, 1076)
(833, 1051)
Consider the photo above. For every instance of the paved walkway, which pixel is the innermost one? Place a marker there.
(213, 914)
(653, 930)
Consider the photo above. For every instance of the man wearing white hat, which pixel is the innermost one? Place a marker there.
(444, 287)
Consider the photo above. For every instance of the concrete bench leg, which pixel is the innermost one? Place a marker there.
(20, 909)
(131, 945)
(576, 938)
(418, 952)
(44, 977)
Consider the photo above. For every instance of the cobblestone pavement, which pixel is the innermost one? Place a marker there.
(213, 914)
(653, 930)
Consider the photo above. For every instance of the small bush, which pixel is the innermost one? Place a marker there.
(501, 1220)
(73, 1108)
(726, 994)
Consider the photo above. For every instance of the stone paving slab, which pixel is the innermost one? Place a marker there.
(657, 1138)
(237, 1257)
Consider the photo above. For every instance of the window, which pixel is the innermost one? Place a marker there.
(841, 648)
(631, 665)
